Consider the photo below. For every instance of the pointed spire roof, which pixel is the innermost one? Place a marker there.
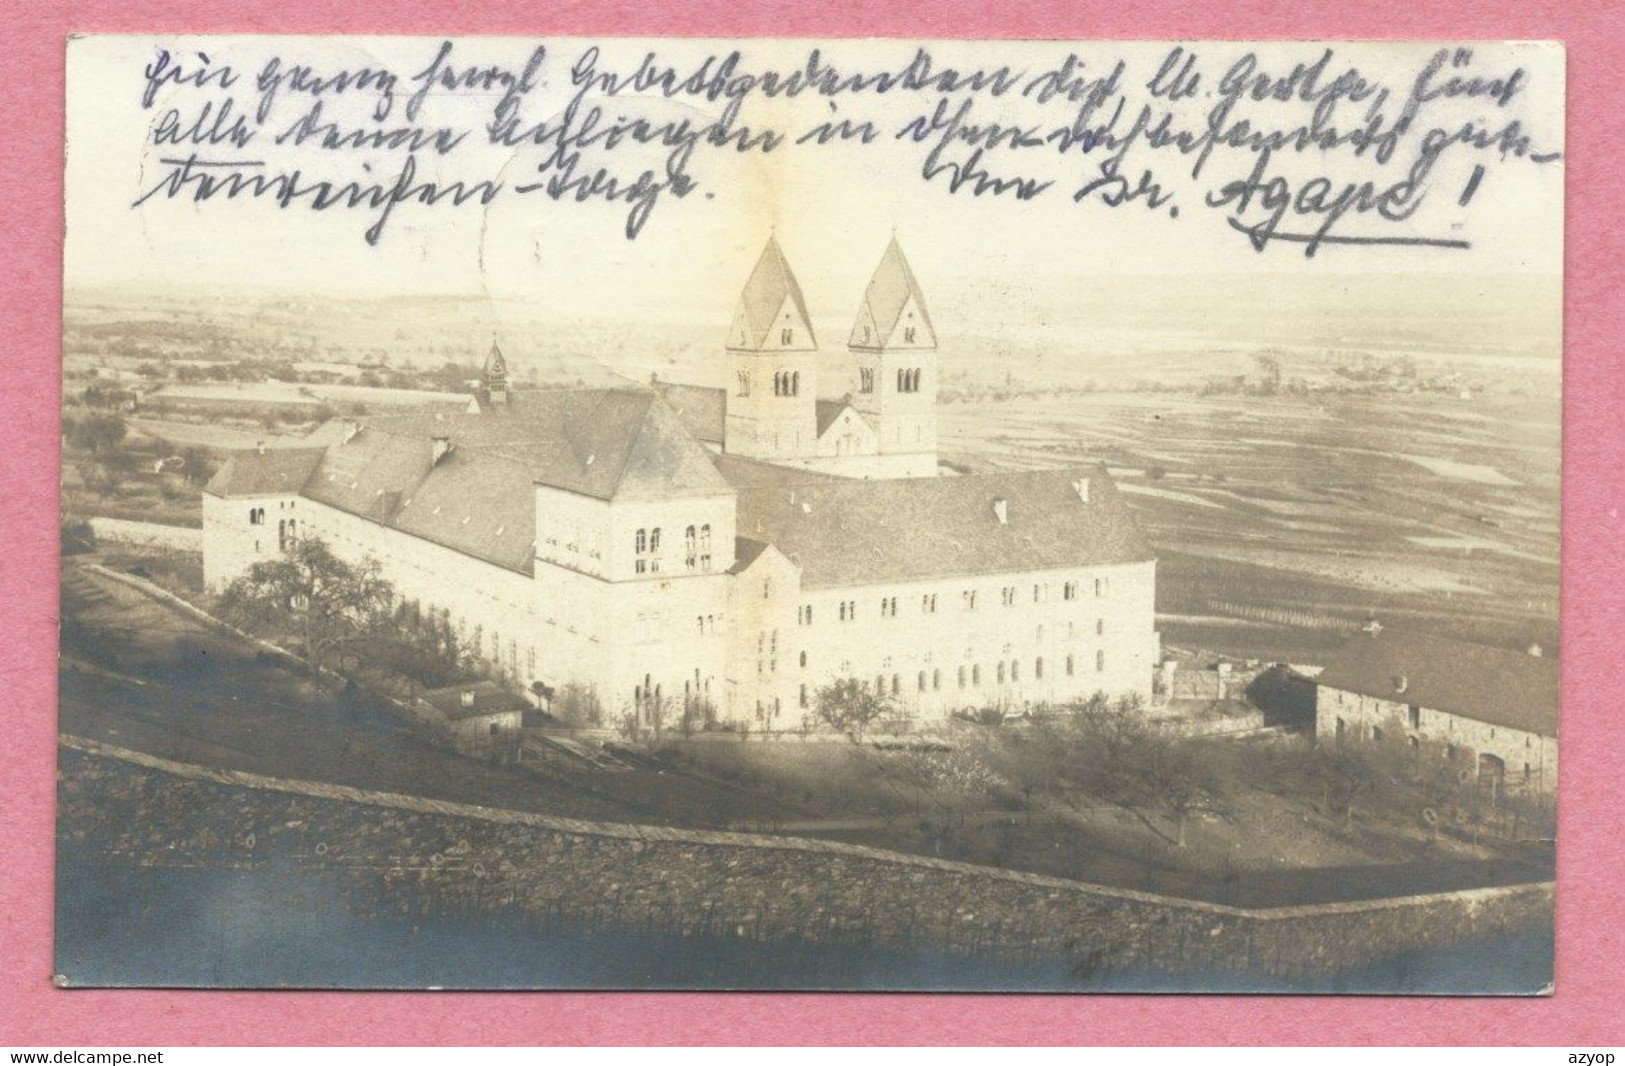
(496, 367)
(771, 299)
(893, 294)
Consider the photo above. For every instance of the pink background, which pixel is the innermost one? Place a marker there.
(1588, 1004)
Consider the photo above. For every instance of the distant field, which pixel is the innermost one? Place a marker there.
(1433, 510)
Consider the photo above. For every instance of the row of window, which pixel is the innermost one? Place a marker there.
(256, 515)
(788, 382)
(1009, 596)
(968, 677)
(696, 549)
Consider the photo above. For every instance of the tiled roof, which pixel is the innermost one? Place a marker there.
(1497, 686)
(479, 498)
(605, 443)
(770, 283)
(847, 532)
(888, 293)
(704, 410)
(489, 698)
(255, 473)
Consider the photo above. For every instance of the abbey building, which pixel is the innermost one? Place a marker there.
(733, 549)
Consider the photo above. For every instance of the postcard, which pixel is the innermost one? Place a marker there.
(810, 514)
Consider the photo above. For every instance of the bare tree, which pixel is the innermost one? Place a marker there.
(850, 706)
(333, 606)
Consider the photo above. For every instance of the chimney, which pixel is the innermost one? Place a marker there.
(1081, 487)
(440, 448)
(259, 446)
(1536, 650)
(1001, 510)
(468, 697)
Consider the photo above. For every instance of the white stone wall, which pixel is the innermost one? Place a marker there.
(702, 634)
(146, 534)
(672, 517)
(1530, 759)
(877, 467)
(232, 542)
(1110, 638)
(763, 669)
(484, 602)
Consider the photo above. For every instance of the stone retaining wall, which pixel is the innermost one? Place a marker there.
(405, 854)
(147, 534)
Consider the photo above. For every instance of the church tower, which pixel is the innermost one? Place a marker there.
(495, 376)
(773, 387)
(894, 356)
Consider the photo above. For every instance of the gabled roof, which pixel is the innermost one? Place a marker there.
(746, 552)
(842, 531)
(770, 284)
(252, 472)
(1497, 686)
(890, 290)
(828, 411)
(489, 698)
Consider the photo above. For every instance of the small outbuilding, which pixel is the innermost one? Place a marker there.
(483, 717)
(1493, 710)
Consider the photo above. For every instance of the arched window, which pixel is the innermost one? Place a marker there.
(786, 336)
(866, 376)
(1100, 661)
(705, 537)
(961, 677)
(1038, 668)
(922, 680)
(900, 387)
(803, 660)
(976, 674)
(744, 383)
(908, 334)
(795, 383)
(690, 538)
(1001, 673)
(1015, 670)
(1069, 666)
(936, 680)
(654, 541)
(642, 541)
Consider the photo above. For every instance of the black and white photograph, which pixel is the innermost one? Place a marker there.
(793, 514)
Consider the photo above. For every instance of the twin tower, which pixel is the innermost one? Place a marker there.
(873, 416)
